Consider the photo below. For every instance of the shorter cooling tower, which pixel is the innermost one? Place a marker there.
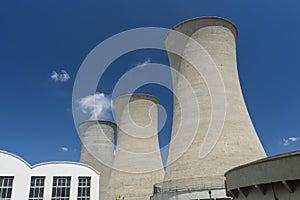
(138, 163)
(97, 149)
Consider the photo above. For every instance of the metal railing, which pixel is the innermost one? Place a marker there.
(190, 184)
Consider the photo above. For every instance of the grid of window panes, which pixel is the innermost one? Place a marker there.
(84, 188)
(6, 183)
(37, 188)
(61, 188)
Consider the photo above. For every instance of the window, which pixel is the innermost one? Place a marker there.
(37, 188)
(61, 188)
(6, 183)
(84, 187)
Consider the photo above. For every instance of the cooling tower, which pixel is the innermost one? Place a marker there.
(138, 163)
(97, 149)
(224, 135)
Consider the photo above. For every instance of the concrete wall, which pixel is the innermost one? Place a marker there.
(238, 142)
(22, 172)
(275, 191)
(97, 149)
(191, 195)
(265, 179)
(138, 163)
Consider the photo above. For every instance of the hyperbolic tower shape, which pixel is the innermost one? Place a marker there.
(138, 163)
(97, 149)
(237, 143)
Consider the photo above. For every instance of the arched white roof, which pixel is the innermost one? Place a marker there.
(17, 159)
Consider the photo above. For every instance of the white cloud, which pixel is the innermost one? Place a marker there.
(143, 64)
(293, 139)
(65, 149)
(61, 76)
(288, 141)
(98, 106)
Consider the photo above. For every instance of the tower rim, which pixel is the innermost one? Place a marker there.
(228, 24)
(136, 96)
(91, 122)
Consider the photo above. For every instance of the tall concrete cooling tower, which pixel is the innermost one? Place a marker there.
(138, 163)
(97, 149)
(224, 136)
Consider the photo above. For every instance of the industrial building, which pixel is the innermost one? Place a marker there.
(212, 135)
(97, 149)
(195, 174)
(276, 177)
(212, 132)
(51, 180)
(129, 172)
(138, 165)
(214, 152)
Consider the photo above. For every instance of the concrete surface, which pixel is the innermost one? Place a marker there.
(265, 179)
(192, 195)
(138, 163)
(238, 142)
(97, 149)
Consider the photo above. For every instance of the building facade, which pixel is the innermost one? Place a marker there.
(51, 180)
(276, 177)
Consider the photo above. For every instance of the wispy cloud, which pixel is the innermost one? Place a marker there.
(64, 149)
(288, 141)
(98, 106)
(142, 64)
(61, 76)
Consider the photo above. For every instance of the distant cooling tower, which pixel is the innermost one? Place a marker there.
(97, 149)
(237, 142)
(138, 163)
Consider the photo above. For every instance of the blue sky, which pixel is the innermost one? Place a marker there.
(40, 37)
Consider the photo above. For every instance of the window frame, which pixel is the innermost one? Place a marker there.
(6, 187)
(37, 188)
(61, 188)
(84, 188)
